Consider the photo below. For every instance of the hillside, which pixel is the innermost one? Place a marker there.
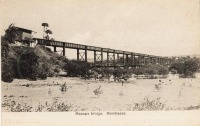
(30, 63)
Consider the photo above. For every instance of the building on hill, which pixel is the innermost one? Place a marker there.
(24, 36)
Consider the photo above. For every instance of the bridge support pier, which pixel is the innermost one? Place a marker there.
(114, 62)
(54, 49)
(111, 59)
(64, 50)
(101, 56)
(86, 54)
(124, 60)
(95, 57)
(139, 60)
(132, 60)
(77, 54)
(117, 58)
(107, 57)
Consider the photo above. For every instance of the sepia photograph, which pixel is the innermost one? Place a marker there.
(68, 60)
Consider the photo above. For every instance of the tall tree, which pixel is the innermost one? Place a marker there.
(45, 25)
(9, 37)
(48, 32)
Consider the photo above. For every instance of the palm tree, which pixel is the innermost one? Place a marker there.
(48, 32)
(45, 25)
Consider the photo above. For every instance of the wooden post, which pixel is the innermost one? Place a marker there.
(117, 58)
(78, 54)
(86, 54)
(134, 60)
(54, 48)
(63, 49)
(107, 58)
(127, 62)
(131, 59)
(124, 60)
(139, 60)
(101, 56)
(114, 57)
(95, 57)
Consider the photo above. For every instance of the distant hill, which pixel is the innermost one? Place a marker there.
(195, 55)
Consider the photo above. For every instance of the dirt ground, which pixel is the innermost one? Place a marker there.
(175, 94)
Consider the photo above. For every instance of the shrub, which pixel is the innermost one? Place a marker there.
(179, 66)
(29, 65)
(76, 68)
(150, 71)
(148, 105)
(42, 74)
(163, 70)
(139, 71)
(190, 67)
(98, 91)
(186, 67)
(7, 70)
(173, 71)
(17, 107)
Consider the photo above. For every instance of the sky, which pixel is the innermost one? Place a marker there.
(155, 27)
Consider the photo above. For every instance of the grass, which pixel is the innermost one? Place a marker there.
(147, 105)
(17, 107)
(55, 106)
(158, 87)
(98, 91)
(192, 107)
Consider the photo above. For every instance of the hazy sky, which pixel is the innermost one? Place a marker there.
(157, 27)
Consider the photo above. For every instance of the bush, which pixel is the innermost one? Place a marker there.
(56, 69)
(147, 105)
(179, 66)
(42, 71)
(7, 70)
(151, 70)
(77, 68)
(98, 91)
(163, 71)
(139, 71)
(187, 67)
(190, 67)
(173, 71)
(29, 65)
(117, 72)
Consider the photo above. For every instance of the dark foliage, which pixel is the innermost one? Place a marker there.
(29, 65)
(186, 67)
(11, 33)
(77, 68)
(7, 70)
(155, 69)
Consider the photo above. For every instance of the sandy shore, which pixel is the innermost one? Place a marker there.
(173, 93)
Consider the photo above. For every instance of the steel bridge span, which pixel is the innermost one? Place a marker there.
(114, 57)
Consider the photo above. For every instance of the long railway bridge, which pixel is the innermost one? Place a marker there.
(114, 57)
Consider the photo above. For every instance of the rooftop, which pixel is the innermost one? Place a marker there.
(25, 30)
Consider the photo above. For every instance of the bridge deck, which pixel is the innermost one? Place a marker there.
(128, 57)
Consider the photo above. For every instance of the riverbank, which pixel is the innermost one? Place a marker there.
(163, 94)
